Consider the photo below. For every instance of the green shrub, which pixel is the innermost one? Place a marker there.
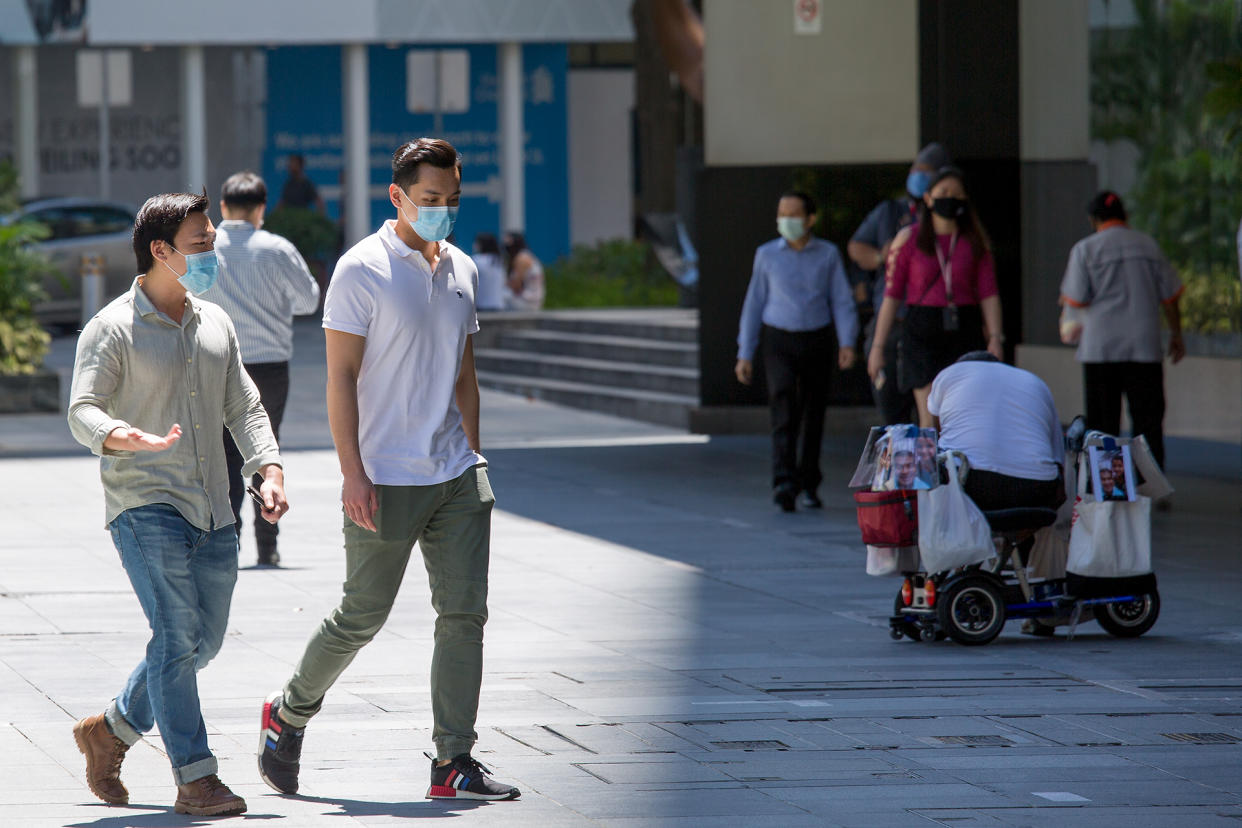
(23, 342)
(311, 232)
(611, 274)
(1212, 301)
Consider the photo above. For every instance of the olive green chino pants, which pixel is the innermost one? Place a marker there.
(451, 522)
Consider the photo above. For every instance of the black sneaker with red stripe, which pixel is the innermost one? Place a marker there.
(466, 778)
(280, 747)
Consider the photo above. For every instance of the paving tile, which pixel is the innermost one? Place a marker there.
(663, 650)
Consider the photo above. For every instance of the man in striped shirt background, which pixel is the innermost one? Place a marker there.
(263, 284)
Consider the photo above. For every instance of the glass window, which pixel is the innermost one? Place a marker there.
(111, 220)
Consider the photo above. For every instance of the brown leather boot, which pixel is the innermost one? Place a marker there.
(208, 797)
(104, 753)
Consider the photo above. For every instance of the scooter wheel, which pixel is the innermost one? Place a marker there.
(971, 610)
(1132, 618)
(895, 633)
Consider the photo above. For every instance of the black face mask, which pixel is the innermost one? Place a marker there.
(950, 208)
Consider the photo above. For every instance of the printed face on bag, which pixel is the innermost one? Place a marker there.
(926, 448)
(1119, 472)
(904, 469)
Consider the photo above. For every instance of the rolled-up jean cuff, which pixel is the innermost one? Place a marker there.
(120, 728)
(452, 748)
(186, 774)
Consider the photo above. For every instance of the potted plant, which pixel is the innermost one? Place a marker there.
(24, 383)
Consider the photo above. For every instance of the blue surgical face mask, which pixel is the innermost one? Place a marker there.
(917, 183)
(201, 270)
(434, 223)
(791, 228)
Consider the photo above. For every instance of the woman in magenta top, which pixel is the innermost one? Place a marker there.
(942, 268)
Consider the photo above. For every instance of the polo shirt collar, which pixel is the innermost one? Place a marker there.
(236, 224)
(785, 245)
(388, 235)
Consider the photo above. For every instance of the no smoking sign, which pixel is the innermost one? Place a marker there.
(808, 16)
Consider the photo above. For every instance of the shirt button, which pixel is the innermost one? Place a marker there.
(193, 393)
(202, 459)
(189, 360)
(196, 425)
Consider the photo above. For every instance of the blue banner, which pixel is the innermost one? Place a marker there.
(304, 102)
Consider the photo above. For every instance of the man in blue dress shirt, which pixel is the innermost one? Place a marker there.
(799, 299)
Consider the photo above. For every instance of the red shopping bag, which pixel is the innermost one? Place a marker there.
(888, 518)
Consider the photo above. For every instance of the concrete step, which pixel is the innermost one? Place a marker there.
(674, 326)
(599, 346)
(610, 373)
(650, 406)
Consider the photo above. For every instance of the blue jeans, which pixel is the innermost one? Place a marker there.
(183, 577)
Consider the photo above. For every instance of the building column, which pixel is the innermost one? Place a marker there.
(512, 139)
(356, 118)
(194, 117)
(26, 118)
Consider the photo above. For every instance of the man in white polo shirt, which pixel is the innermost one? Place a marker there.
(403, 405)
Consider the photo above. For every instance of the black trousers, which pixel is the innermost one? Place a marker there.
(1142, 383)
(799, 366)
(272, 380)
(991, 491)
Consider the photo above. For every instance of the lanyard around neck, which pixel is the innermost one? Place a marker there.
(946, 267)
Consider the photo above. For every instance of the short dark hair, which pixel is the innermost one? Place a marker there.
(978, 356)
(1106, 206)
(486, 243)
(808, 202)
(160, 219)
(244, 190)
(434, 151)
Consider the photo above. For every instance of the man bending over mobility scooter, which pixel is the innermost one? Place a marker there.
(1005, 422)
(1003, 419)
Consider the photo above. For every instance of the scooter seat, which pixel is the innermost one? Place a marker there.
(1023, 518)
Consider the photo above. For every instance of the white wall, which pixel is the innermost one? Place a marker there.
(601, 201)
(847, 94)
(361, 21)
(1203, 394)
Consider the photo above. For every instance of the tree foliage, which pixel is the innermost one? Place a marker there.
(23, 342)
(1155, 84)
(1172, 85)
(618, 274)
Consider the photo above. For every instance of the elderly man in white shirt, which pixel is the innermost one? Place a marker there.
(1005, 422)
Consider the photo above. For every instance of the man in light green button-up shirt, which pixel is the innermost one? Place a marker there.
(158, 375)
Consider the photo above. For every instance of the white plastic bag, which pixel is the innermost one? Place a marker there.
(888, 560)
(952, 530)
(1109, 539)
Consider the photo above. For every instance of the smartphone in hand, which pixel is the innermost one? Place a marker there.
(256, 497)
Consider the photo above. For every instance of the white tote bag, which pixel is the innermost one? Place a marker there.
(1111, 539)
(1051, 549)
(952, 530)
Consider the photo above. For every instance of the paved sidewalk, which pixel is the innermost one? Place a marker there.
(664, 649)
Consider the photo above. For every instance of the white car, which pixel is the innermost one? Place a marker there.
(80, 227)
